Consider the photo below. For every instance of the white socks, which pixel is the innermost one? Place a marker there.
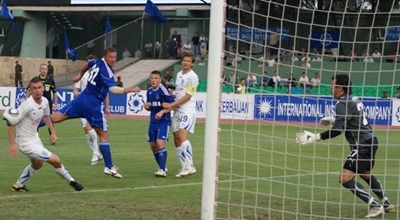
(91, 137)
(25, 175)
(185, 155)
(64, 173)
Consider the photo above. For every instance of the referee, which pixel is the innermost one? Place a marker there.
(50, 92)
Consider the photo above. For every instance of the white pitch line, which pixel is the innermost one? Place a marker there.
(26, 195)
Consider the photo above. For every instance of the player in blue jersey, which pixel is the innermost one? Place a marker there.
(90, 103)
(160, 120)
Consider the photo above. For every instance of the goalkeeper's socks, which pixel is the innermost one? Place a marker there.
(106, 152)
(181, 156)
(25, 175)
(376, 186)
(357, 189)
(161, 157)
(64, 173)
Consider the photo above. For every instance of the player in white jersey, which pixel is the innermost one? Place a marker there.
(90, 133)
(184, 118)
(25, 138)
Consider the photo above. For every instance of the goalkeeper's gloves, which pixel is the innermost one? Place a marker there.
(326, 121)
(306, 137)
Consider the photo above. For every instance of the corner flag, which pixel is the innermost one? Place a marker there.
(153, 11)
(72, 53)
(6, 13)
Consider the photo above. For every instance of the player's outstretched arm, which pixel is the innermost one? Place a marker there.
(177, 103)
(306, 137)
(120, 90)
(327, 121)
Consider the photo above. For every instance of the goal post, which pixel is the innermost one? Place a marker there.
(215, 69)
(253, 168)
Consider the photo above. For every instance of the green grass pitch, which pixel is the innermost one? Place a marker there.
(263, 175)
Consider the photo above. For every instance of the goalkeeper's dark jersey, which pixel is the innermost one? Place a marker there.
(352, 120)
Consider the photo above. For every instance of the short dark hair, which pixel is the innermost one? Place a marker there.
(156, 72)
(35, 80)
(188, 54)
(109, 50)
(343, 80)
(90, 57)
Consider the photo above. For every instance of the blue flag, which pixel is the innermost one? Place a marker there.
(6, 13)
(107, 29)
(72, 53)
(153, 11)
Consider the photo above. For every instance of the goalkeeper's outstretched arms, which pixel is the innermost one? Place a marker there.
(328, 120)
(307, 137)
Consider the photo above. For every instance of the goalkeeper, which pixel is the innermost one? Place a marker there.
(352, 120)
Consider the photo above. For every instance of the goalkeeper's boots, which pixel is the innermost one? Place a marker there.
(16, 188)
(77, 186)
(375, 211)
(389, 208)
(112, 172)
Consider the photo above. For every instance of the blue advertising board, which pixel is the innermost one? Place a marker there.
(392, 34)
(324, 39)
(312, 108)
(245, 33)
(290, 108)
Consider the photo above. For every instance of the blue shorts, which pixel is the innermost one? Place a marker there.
(90, 108)
(158, 132)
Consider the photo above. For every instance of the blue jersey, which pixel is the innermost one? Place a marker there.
(156, 97)
(101, 77)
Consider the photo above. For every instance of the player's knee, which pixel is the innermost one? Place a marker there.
(55, 161)
(365, 177)
(343, 179)
(36, 164)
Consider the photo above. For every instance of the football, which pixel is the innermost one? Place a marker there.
(11, 116)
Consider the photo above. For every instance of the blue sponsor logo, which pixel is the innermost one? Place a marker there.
(136, 103)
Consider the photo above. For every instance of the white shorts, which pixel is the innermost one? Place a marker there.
(183, 121)
(84, 122)
(33, 148)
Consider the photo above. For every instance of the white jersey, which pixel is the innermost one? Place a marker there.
(81, 84)
(31, 113)
(186, 84)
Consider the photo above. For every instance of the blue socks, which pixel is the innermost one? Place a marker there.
(106, 152)
(161, 157)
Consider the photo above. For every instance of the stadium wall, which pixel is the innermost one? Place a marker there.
(31, 67)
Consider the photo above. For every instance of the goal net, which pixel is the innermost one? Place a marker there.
(262, 172)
